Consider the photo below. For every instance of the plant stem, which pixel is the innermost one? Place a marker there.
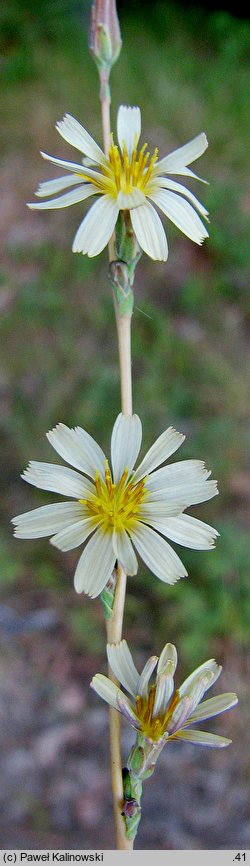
(114, 634)
(105, 108)
(114, 626)
(123, 324)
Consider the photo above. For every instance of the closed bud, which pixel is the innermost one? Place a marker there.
(130, 808)
(105, 37)
(131, 811)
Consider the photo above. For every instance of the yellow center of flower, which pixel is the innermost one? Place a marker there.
(131, 172)
(125, 173)
(154, 728)
(115, 506)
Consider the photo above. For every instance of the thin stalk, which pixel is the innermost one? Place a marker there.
(114, 634)
(123, 324)
(105, 108)
(114, 626)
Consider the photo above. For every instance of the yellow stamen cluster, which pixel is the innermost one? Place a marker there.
(115, 506)
(131, 172)
(124, 173)
(154, 728)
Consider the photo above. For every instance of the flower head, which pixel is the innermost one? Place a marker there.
(159, 711)
(129, 178)
(119, 508)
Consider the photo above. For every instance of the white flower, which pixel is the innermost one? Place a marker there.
(128, 179)
(161, 712)
(119, 507)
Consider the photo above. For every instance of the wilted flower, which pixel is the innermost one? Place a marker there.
(159, 711)
(128, 179)
(120, 506)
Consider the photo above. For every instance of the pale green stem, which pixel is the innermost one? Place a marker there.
(105, 107)
(114, 626)
(123, 324)
(114, 634)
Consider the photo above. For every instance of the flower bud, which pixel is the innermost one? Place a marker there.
(105, 37)
(130, 808)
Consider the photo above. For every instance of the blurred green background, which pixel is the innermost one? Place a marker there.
(188, 70)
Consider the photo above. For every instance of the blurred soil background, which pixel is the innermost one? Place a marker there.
(188, 69)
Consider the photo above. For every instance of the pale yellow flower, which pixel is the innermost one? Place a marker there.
(128, 179)
(118, 509)
(159, 711)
